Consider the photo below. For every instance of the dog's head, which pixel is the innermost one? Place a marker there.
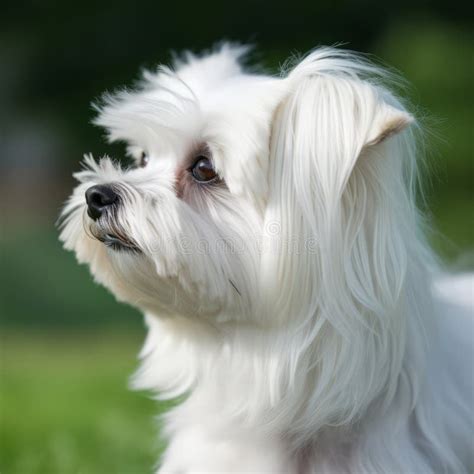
(251, 196)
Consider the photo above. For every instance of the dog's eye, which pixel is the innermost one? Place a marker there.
(144, 158)
(202, 170)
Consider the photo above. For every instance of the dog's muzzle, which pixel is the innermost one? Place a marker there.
(99, 198)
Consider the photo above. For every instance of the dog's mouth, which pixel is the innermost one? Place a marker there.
(118, 243)
(113, 239)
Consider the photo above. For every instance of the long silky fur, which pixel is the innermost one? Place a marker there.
(313, 345)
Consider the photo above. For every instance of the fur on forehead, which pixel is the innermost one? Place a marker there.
(206, 100)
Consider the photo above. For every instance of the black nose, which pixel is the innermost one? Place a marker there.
(98, 198)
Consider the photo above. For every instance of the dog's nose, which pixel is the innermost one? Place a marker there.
(98, 198)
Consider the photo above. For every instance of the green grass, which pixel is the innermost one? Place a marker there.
(66, 408)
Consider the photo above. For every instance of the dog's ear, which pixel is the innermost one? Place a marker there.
(339, 169)
(340, 220)
(388, 121)
(339, 118)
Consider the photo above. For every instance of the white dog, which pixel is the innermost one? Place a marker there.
(269, 234)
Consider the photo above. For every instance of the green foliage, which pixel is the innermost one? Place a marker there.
(436, 58)
(44, 286)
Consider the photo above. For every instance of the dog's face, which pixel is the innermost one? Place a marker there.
(221, 167)
(178, 232)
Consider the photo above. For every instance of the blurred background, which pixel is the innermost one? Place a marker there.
(67, 348)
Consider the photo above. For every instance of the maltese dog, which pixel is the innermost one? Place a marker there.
(269, 232)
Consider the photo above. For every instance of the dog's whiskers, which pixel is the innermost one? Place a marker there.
(235, 288)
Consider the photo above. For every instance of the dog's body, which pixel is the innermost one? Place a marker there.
(270, 236)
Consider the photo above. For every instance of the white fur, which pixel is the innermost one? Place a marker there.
(291, 308)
